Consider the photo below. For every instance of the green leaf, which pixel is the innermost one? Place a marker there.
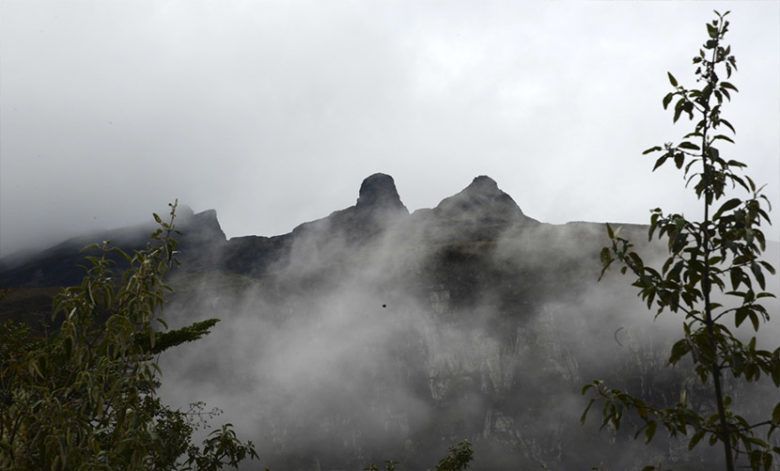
(727, 206)
(667, 99)
(728, 86)
(688, 145)
(672, 80)
(652, 149)
(696, 439)
(678, 109)
(751, 183)
(768, 266)
(679, 350)
(736, 275)
(584, 415)
(605, 256)
(714, 261)
(679, 159)
(660, 161)
(754, 320)
(756, 269)
(650, 431)
(741, 315)
(776, 414)
(688, 108)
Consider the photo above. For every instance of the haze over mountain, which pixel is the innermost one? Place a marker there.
(374, 333)
(273, 112)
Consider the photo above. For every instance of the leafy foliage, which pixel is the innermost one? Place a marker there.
(717, 258)
(85, 397)
(458, 458)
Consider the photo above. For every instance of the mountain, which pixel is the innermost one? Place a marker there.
(375, 334)
(481, 212)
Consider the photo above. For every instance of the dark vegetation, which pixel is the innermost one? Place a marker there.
(84, 395)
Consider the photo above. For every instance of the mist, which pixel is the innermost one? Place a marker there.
(349, 352)
(270, 112)
(377, 334)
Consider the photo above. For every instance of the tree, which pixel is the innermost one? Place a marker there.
(85, 396)
(714, 276)
(458, 458)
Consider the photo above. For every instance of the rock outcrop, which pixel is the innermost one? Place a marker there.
(378, 192)
(481, 202)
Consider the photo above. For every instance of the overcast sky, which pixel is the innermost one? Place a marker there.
(273, 112)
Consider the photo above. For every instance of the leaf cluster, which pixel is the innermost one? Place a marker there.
(85, 396)
(458, 458)
(719, 258)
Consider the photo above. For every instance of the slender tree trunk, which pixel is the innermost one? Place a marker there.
(725, 435)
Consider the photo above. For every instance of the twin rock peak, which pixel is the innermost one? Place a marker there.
(379, 205)
(481, 201)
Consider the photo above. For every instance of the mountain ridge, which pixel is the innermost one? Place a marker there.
(480, 210)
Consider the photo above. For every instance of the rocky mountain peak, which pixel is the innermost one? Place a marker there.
(378, 205)
(207, 224)
(183, 212)
(202, 226)
(483, 185)
(481, 200)
(378, 191)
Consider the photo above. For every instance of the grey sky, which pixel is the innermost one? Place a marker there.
(273, 112)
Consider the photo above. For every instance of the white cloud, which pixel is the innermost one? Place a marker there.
(273, 112)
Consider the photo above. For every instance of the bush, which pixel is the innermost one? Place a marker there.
(85, 396)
